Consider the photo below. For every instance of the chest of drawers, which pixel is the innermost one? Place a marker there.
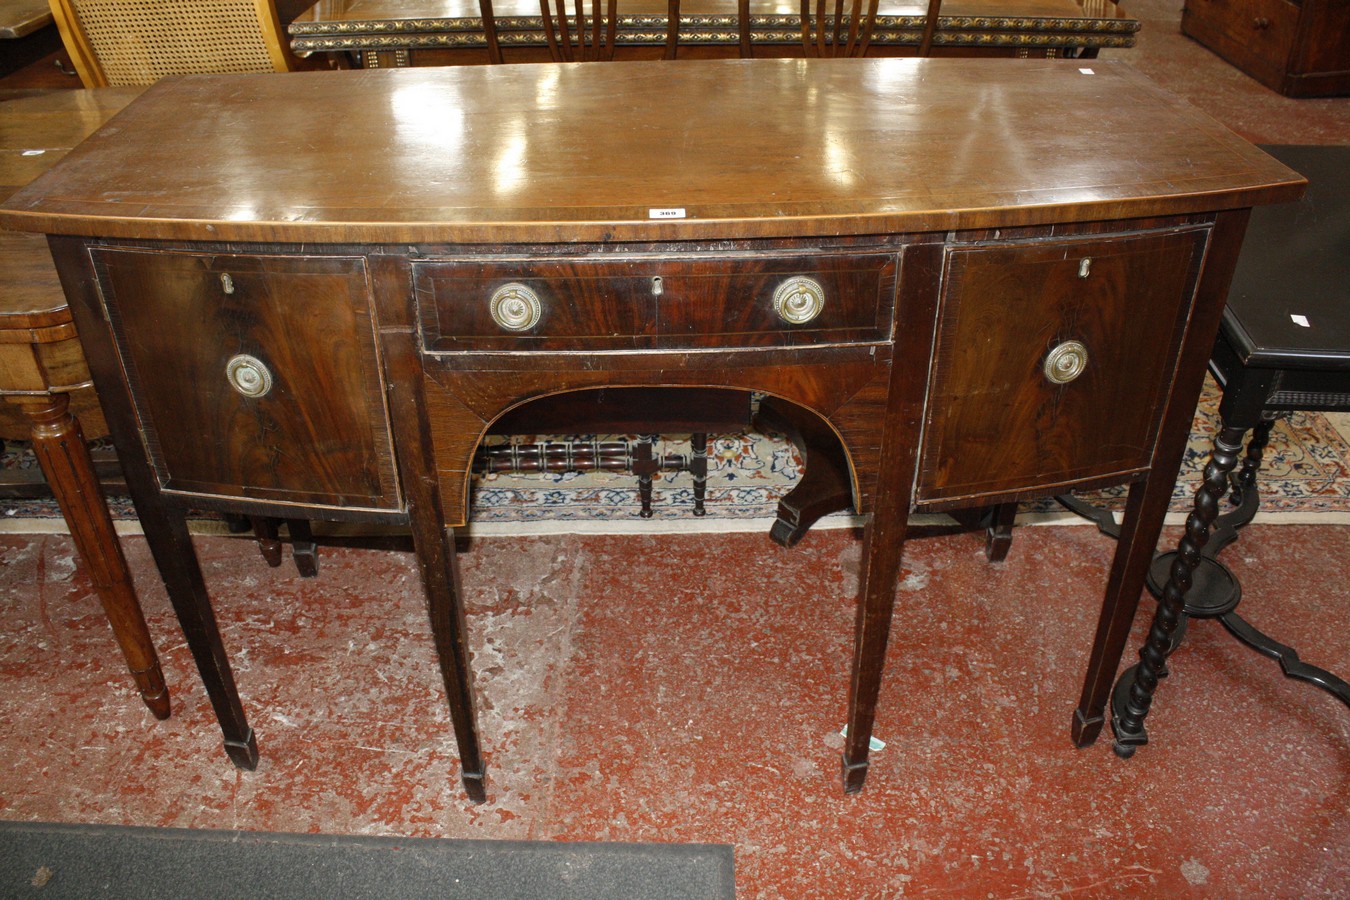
(991, 322)
(1300, 48)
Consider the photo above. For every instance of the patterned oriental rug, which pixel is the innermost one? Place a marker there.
(1306, 471)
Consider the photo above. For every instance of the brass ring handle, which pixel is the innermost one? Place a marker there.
(248, 375)
(798, 300)
(1066, 362)
(515, 307)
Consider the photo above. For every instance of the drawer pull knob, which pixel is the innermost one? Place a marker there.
(226, 283)
(248, 375)
(1085, 267)
(515, 307)
(798, 300)
(1066, 362)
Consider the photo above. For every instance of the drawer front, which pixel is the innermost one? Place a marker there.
(1053, 360)
(1254, 34)
(255, 377)
(641, 303)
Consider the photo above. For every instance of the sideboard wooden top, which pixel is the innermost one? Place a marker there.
(715, 149)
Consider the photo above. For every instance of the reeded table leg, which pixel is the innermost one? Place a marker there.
(58, 443)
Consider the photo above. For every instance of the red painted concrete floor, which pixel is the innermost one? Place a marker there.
(689, 688)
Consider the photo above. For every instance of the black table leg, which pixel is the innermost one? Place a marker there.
(1213, 593)
(1130, 705)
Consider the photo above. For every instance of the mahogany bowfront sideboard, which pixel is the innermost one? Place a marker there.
(993, 281)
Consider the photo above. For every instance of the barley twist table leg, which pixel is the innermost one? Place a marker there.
(1134, 693)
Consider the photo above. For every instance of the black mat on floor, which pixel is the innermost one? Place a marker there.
(39, 859)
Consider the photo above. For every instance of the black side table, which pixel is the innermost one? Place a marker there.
(1284, 346)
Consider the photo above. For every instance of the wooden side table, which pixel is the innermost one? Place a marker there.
(43, 375)
(1284, 346)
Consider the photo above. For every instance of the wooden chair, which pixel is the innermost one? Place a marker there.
(824, 36)
(137, 42)
(558, 30)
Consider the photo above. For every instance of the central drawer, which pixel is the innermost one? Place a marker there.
(636, 303)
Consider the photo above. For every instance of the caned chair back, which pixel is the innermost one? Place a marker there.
(130, 42)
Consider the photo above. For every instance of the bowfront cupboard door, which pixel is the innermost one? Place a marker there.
(255, 377)
(1053, 362)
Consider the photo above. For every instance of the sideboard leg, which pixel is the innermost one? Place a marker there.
(440, 574)
(881, 571)
(1145, 509)
(58, 444)
(170, 543)
(434, 543)
(998, 521)
(165, 528)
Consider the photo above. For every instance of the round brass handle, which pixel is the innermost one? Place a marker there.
(1260, 22)
(515, 307)
(798, 300)
(1066, 362)
(248, 375)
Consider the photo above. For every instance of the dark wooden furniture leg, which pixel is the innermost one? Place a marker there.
(698, 468)
(267, 534)
(165, 528)
(1191, 583)
(998, 530)
(171, 544)
(58, 443)
(1146, 506)
(645, 467)
(267, 531)
(434, 544)
(1128, 717)
(997, 523)
(303, 548)
(886, 529)
(825, 486)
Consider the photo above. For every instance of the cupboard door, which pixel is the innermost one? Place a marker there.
(255, 377)
(1052, 361)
